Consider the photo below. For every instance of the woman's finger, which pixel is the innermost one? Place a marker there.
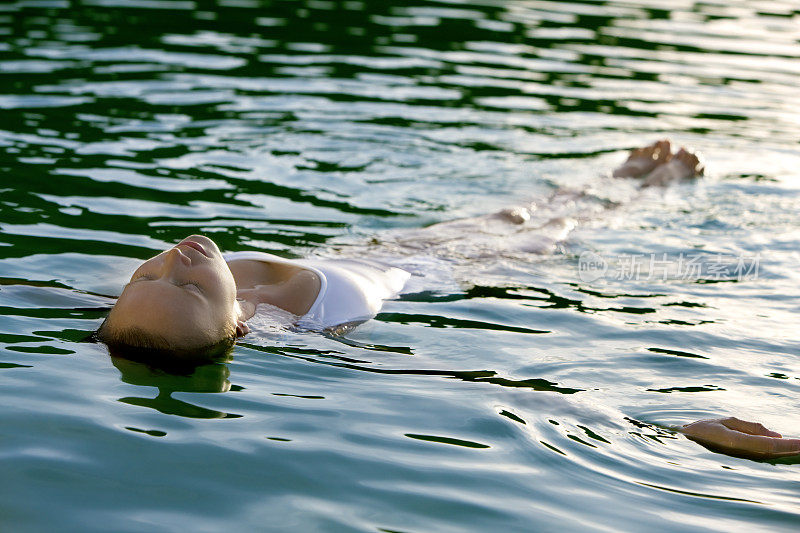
(787, 446)
(767, 446)
(751, 428)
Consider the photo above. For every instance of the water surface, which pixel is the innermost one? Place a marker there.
(507, 392)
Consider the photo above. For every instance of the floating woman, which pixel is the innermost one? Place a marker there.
(193, 301)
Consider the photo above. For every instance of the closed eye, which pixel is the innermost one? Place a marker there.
(187, 285)
(143, 277)
(190, 285)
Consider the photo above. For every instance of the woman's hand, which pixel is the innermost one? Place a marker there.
(741, 438)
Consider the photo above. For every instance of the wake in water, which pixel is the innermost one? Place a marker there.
(540, 226)
(437, 254)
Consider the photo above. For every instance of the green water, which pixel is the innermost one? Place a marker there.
(507, 393)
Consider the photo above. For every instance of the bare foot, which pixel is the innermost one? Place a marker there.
(681, 166)
(514, 215)
(644, 160)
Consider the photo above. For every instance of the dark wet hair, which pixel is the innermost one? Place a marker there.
(136, 344)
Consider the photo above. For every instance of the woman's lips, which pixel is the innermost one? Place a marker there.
(196, 245)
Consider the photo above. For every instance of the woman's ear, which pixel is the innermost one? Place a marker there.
(242, 328)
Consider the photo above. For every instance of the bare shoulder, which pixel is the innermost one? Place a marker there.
(306, 276)
(306, 281)
(301, 291)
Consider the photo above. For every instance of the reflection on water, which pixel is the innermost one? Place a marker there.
(503, 391)
(203, 379)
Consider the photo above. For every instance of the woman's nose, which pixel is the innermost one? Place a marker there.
(175, 260)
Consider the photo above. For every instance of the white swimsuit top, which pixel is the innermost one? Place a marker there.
(351, 290)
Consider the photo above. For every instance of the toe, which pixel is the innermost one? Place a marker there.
(664, 149)
(690, 160)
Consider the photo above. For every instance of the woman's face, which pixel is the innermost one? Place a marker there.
(186, 295)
